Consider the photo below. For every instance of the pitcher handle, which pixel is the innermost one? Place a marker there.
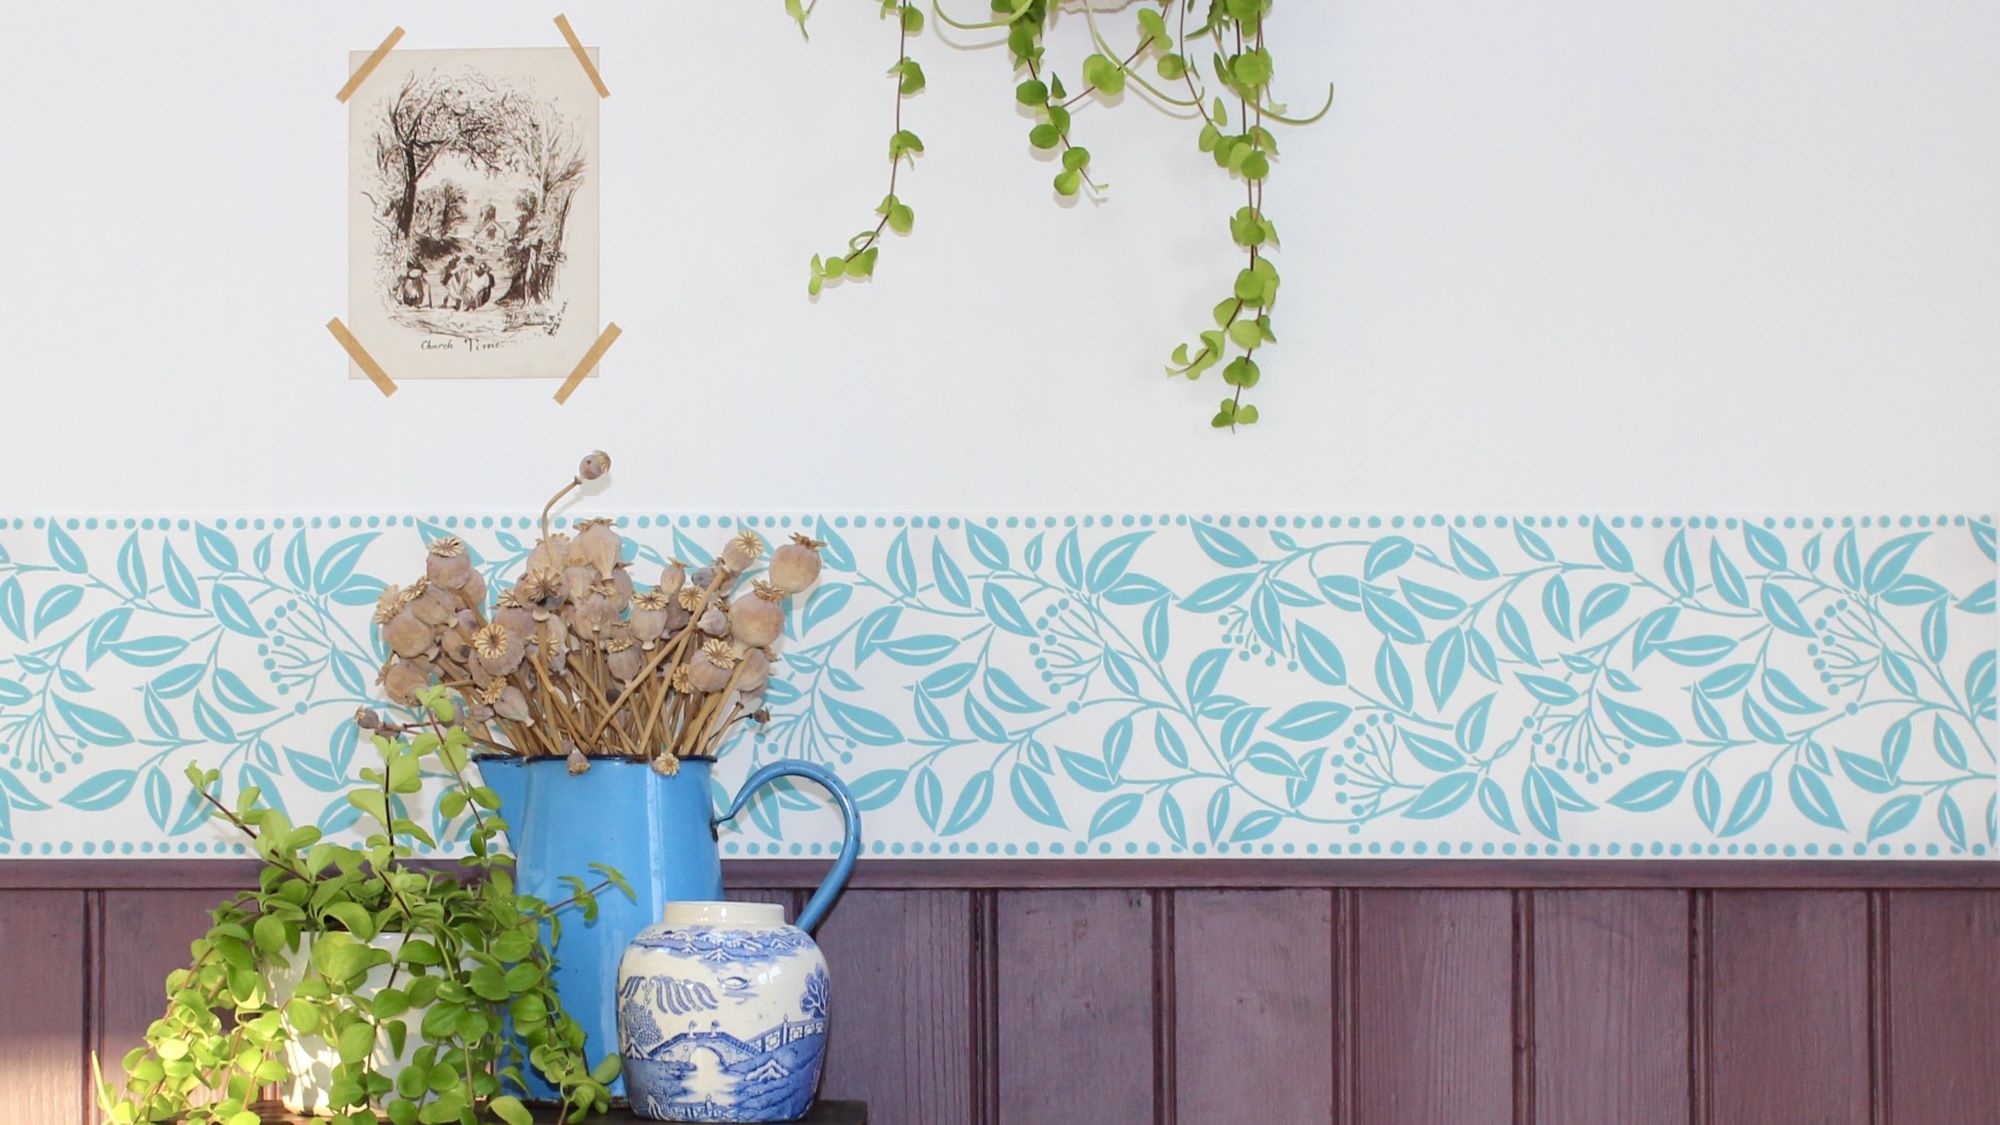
(850, 844)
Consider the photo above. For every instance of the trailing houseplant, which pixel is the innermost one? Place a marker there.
(428, 992)
(1198, 59)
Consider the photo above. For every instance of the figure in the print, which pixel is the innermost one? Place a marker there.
(449, 145)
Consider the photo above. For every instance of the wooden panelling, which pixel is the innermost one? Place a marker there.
(1944, 986)
(144, 937)
(1377, 995)
(1609, 998)
(1075, 1007)
(43, 1027)
(1252, 980)
(1788, 1004)
(1433, 1007)
(902, 989)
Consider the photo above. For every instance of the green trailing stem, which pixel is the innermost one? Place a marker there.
(1171, 38)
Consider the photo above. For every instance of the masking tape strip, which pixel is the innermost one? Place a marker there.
(589, 360)
(582, 56)
(369, 64)
(361, 357)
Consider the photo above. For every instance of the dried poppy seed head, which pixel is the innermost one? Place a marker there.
(577, 762)
(757, 621)
(388, 604)
(795, 565)
(450, 547)
(366, 718)
(666, 765)
(594, 464)
(489, 694)
(692, 598)
(407, 636)
(742, 550)
(720, 652)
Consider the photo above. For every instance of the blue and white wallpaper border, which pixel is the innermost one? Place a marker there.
(1110, 685)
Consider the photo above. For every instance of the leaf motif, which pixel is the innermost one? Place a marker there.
(1847, 562)
(1267, 758)
(919, 651)
(1556, 605)
(1172, 821)
(984, 723)
(1266, 617)
(337, 565)
(1750, 805)
(1470, 560)
(1895, 815)
(950, 680)
(1115, 814)
(212, 722)
(1309, 722)
(1320, 657)
(862, 724)
(1514, 633)
(1766, 548)
(1433, 755)
(1385, 555)
(65, 552)
(1812, 797)
(1980, 600)
(1951, 821)
(1136, 589)
(234, 612)
(1886, 563)
(56, 603)
(1205, 674)
(1393, 677)
(1221, 546)
(96, 727)
(1389, 615)
(1218, 593)
(1601, 604)
(1536, 547)
(1728, 580)
(1170, 744)
(1655, 790)
(1707, 797)
(1439, 605)
(1109, 562)
(13, 609)
(950, 579)
(987, 546)
(102, 790)
(236, 695)
(1238, 729)
(1936, 632)
(1783, 611)
(1255, 826)
(1610, 549)
(1444, 665)
(972, 804)
(1950, 747)
(298, 563)
(1342, 591)
(315, 771)
(1708, 718)
(902, 565)
(214, 547)
(1470, 729)
(180, 582)
(1549, 690)
(1638, 724)
(132, 566)
(1538, 798)
(1479, 653)
(103, 632)
(1443, 796)
(1698, 651)
(1786, 695)
(874, 630)
(1069, 561)
(1032, 796)
(835, 553)
(929, 717)
(1155, 633)
(1086, 771)
(1896, 747)
(1680, 565)
(1761, 722)
(1866, 773)
(1004, 610)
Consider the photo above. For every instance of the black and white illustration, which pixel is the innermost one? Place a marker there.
(473, 226)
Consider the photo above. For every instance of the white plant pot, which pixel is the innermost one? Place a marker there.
(309, 1059)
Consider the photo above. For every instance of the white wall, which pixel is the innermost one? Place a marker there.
(1555, 256)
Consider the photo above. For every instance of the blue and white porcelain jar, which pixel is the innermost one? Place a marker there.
(722, 1015)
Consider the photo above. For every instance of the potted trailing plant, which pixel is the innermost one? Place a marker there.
(596, 697)
(1207, 61)
(357, 980)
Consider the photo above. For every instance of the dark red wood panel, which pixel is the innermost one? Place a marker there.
(1610, 1007)
(902, 986)
(1253, 1006)
(1944, 1012)
(43, 1028)
(145, 936)
(1075, 1007)
(1433, 1007)
(1788, 1003)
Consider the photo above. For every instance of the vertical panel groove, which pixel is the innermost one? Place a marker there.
(1166, 1087)
(1345, 927)
(93, 989)
(1701, 967)
(1524, 1007)
(985, 1007)
(1880, 1030)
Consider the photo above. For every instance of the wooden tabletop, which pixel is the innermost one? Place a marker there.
(822, 1113)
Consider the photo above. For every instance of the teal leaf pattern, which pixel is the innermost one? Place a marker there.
(1108, 685)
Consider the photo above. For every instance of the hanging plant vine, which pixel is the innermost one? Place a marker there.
(1239, 69)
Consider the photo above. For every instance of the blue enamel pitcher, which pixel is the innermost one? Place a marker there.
(659, 832)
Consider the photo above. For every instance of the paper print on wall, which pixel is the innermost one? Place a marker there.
(473, 217)
(1108, 685)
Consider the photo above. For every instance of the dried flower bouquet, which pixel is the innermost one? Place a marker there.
(576, 661)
